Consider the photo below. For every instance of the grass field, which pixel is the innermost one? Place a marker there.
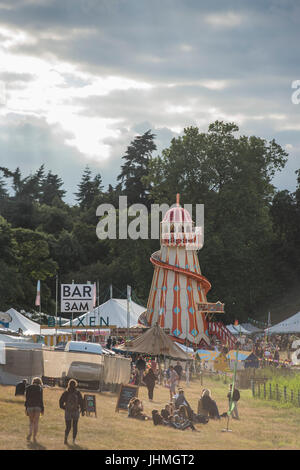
(262, 425)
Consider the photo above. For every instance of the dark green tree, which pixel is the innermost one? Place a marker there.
(135, 170)
(232, 176)
(51, 189)
(88, 189)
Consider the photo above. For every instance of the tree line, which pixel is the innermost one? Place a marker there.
(252, 242)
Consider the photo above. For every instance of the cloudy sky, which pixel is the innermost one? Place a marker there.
(80, 78)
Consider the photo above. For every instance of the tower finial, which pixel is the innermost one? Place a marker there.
(177, 199)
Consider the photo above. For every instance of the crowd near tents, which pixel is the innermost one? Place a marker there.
(20, 332)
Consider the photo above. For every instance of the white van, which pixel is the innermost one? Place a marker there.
(84, 347)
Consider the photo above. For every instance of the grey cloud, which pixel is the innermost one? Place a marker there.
(144, 39)
(160, 43)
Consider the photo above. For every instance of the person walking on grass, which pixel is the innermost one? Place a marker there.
(149, 379)
(72, 402)
(173, 379)
(178, 369)
(34, 406)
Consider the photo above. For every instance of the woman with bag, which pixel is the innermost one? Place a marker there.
(72, 402)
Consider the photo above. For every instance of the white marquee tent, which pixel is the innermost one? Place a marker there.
(17, 322)
(290, 325)
(114, 310)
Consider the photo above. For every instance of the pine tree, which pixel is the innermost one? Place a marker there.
(3, 191)
(136, 168)
(51, 189)
(89, 188)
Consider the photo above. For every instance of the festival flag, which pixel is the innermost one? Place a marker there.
(38, 294)
(95, 295)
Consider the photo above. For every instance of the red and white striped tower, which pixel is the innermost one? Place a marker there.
(178, 285)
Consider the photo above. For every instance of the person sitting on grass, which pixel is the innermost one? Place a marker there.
(166, 412)
(135, 409)
(181, 400)
(209, 405)
(181, 419)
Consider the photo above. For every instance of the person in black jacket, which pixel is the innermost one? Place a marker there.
(141, 367)
(209, 405)
(72, 402)
(21, 387)
(34, 406)
(235, 399)
(149, 379)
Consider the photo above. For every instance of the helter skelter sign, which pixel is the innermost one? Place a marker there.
(76, 298)
(207, 307)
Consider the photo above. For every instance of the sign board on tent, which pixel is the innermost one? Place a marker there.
(77, 298)
(90, 404)
(127, 392)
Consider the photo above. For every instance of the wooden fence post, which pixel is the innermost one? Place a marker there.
(253, 388)
(264, 390)
(277, 393)
(270, 389)
(284, 392)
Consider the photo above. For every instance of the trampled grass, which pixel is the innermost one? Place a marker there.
(262, 425)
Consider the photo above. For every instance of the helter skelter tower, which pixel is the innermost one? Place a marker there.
(178, 288)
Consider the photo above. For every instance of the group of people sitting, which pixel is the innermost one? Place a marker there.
(179, 414)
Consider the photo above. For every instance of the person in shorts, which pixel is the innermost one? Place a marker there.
(34, 406)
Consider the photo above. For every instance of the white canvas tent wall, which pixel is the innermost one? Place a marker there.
(289, 326)
(6, 338)
(116, 312)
